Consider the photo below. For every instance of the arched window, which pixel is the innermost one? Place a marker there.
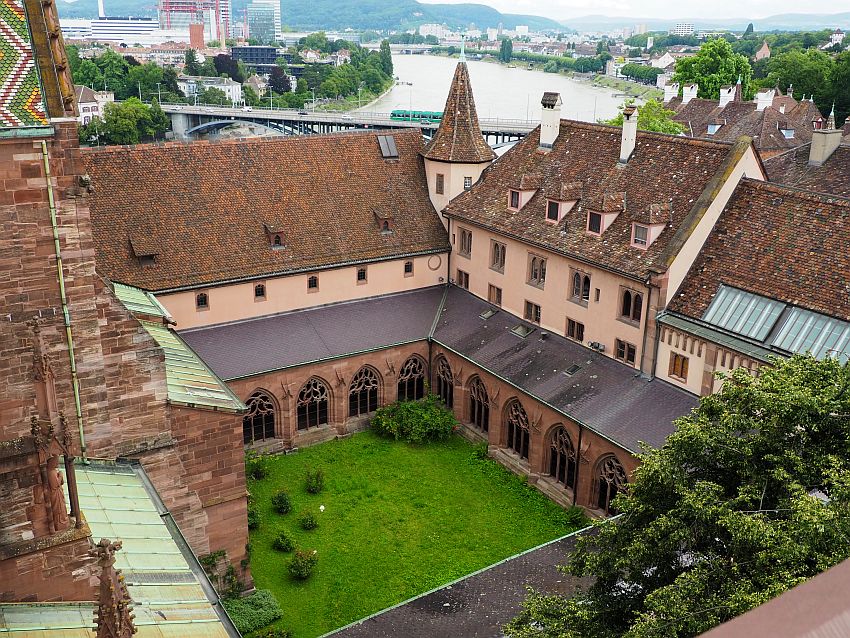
(445, 382)
(632, 307)
(518, 429)
(260, 291)
(411, 380)
(637, 306)
(562, 457)
(585, 288)
(576, 285)
(277, 241)
(479, 405)
(202, 301)
(312, 407)
(612, 480)
(363, 392)
(386, 227)
(626, 310)
(258, 422)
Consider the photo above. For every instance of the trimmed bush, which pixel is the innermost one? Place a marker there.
(307, 520)
(253, 516)
(314, 480)
(303, 563)
(283, 543)
(281, 503)
(273, 633)
(253, 612)
(256, 466)
(415, 421)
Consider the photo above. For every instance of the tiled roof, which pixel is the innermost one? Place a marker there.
(256, 346)
(459, 137)
(778, 242)
(206, 206)
(792, 168)
(21, 100)
(663, 170)
(84, 94)
(608, 397)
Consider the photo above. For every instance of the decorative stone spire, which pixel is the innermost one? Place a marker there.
(113, 617)
(459, 139)
(830, 121)
(463, 47)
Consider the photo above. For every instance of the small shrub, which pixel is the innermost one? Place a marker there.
(253, 612)
(415, 421)
(273, 633)
(314, 480)
(575, 517)
(253, 516)
(281, 503)
(307, 520)
(283, 543)
(303, 563)
(256, 466)
(481, 452)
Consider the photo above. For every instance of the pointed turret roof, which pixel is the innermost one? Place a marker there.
(459, 138)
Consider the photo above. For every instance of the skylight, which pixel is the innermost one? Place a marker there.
(488, 313)
(522, 330)
(743, 312)
(388, 147)
(806, 331)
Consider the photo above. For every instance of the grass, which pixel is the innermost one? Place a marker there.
(631, 89)
(399, 520)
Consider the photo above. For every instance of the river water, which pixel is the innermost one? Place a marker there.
(500, 91)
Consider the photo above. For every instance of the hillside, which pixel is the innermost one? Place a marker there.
(341, 14)
(782, 22)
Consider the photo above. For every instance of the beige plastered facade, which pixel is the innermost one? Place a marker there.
(453, 178)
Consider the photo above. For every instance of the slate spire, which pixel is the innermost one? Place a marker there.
(459, 139)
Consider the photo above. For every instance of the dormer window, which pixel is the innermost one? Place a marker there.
(277, 242)
(513, 200)
(640, 236)
(594, 223)
(713, 128)
(788, 133)
(553, 211)
(385, 228)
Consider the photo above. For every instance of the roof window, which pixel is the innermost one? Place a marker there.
(388, 147)
(522, 330)
(572, 370)
(488, 313)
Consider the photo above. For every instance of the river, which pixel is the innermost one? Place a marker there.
(500, 91)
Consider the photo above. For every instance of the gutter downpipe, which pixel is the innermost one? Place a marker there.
(645, 326)
(75, 381)
(578, 464)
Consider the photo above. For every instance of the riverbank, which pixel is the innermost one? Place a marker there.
(356, 102)
(628, 88)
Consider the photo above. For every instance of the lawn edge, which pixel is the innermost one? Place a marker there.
(455, 581)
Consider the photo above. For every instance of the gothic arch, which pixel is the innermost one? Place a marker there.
(260, 421)
(364, 391)
(609, 479)
(411, 379)
(313, 404)
(479, 404)
(517, 428)
(561, 458)
(444, 381)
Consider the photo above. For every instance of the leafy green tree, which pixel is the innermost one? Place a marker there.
(114, 70)
(88, 74)
(158, 121)
(212, 95)
(317, 41)
(73, 54)
(652, 116)
(749, 30)
(808, 71)
(506, 50)
(278, 81)
(191, 65)
(840, 81)
(748, 498)
(226, 65)
(715, 65)
(250, 97)
(144, 79)
(386, 58)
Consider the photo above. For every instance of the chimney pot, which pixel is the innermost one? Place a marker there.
(629, 133)
(671, 91)
(550, 120)
(689, 92)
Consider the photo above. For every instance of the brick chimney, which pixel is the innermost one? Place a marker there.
(550, 120)
(824, 141)
(629, 135)
(670, 91)
(689, 92)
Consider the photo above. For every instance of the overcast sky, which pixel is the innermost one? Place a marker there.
(561, 9)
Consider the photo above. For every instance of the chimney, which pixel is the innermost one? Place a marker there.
(550, 120)
(101, 12)
(824, 141)
(764, 98)
(689, 92)
(629, 136)
(782, 108)
(670, 91)
(727, 94)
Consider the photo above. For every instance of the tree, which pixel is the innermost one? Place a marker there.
(808, 71)
(652, 116)
(506, 50)
(126, 122)
(748, 498)
(715, 65)
(191, 65)
(212, 95)
(114, 70)
(840, 81)
(158, 120)
(250, 97)
(87, 74)
(749, 30)
(278, 81)
(386, 58)
(226, 65)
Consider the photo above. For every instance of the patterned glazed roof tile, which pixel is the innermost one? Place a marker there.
(459, 137)
(207, 209)
(21, 102)
(778, 242)
(663, 169)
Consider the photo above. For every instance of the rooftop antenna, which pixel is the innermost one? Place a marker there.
(462, 46)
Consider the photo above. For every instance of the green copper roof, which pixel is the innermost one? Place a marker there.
(190, 382)
(138, 300)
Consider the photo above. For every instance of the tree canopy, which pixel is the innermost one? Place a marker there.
(127, 122)
(652, 116)
(748, 498)
(715, 65)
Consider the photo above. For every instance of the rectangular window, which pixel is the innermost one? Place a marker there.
(494, 295)
(312, 283)
(467, 183)
(575, 330)
(536, 270)
(463, 279)
(202, 301)
(594, 223)
(497, 256)
(465, 248)
(553, 211)
(678, 366)
(259, 292)
(408, 269)
(625, 352)
(361, 275)
(640, 235)
(532, 312)
(441, 184)
(513, 200)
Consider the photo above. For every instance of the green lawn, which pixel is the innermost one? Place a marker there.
(399, 520)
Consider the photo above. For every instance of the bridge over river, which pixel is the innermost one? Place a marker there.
(188, 120)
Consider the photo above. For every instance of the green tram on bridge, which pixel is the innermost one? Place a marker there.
(417, 116)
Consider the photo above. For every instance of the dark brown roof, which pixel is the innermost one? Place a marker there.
(792, 168)
(459, 137)
(819, 608)
(777, 242)
(663, 169)
(84, 94)
(212, 208)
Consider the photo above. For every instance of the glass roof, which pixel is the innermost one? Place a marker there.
(743, 312)
(806, 331)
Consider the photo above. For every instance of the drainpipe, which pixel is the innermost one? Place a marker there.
(75, 381)
(645, 326)
(578, 463)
